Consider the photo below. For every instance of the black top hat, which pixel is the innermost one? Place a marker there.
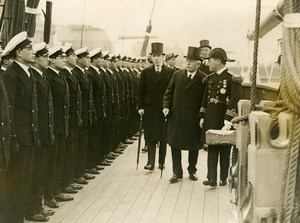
(157, 48)
(193, 53)
(220, 54)
(204, 43)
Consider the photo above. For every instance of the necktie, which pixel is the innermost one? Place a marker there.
(157, 69)
(190, 77)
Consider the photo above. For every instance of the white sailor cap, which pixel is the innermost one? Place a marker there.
(40, 49)
(68, 49)
(20, 40)
(82, 52)
(95, 52)
(56, 51)
(105, 54)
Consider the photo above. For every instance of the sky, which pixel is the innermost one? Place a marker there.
(176, 23)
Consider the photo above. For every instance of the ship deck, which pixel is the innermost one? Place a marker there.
(123, 194)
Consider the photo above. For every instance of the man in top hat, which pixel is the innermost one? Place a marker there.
(205, 49)
(152, 86)
(35, 210)
(21, 92)
(68, 185)
(60, 98)
(171, 61)
(182, 102)
(219, 106)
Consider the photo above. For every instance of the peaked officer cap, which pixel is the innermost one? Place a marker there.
(82, 52)
(95, 53)
(40, 49)
(18, 41)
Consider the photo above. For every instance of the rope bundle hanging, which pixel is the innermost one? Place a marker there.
(288, 210)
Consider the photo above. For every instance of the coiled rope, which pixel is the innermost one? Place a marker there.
(288, 210)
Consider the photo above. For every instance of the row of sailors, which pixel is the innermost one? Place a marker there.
(65, 115)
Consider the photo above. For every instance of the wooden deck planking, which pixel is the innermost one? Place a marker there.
(122, 194)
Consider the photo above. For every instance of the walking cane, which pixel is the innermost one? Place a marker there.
(164, 141)
(139, 143)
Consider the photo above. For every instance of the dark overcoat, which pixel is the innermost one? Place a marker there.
(183, 98)
(152, 87)
(60, 96)
(45, 109)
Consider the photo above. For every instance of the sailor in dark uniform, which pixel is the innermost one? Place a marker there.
(153, 84)
(68, 185)
(5, 152)
(219, 106)
(22, 97)
(85, 167)
(205, 49)
(35, 210)
(60, 96)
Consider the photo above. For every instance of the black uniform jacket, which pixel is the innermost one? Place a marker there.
(5, 130)
(222, 93)
(74, 98)
(60, 96)
(45, 109)
(99, 92)
(22, 98)
(86, 96)
(152, 88)
(183, 98)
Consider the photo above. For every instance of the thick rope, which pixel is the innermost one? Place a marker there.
(253, 95)
(288, 210)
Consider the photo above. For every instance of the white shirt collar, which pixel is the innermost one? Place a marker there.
(220, 71)
(83, 70)
(56, 71)
(3, 68)
(69, 69)
(102, 68)
(95, 68)
(24, 67)
(193, 74)
(37, 70)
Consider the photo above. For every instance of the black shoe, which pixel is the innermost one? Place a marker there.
(92, 171)
(161, 166)
(110, 157)
(47, 212)
(80, 180)
(37, 218)
(193, 176)
(109, 161)
(222, 182)
(76, 186)
(128, 141)
(118, 151)
(145, 149)
(69, 190)
(149, 167)
(210, 182)
(175, 179)
(98, 167)
(104, 163)
(51, 203)
(63, 197)
(88, 176)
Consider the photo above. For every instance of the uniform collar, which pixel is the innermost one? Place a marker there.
(95, 68)
(37, 70)
(220, 71)
(24, 67)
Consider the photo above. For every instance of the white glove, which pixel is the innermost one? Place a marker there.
(141, 112)
(165, 111)
(227, 125)
(201, 123)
